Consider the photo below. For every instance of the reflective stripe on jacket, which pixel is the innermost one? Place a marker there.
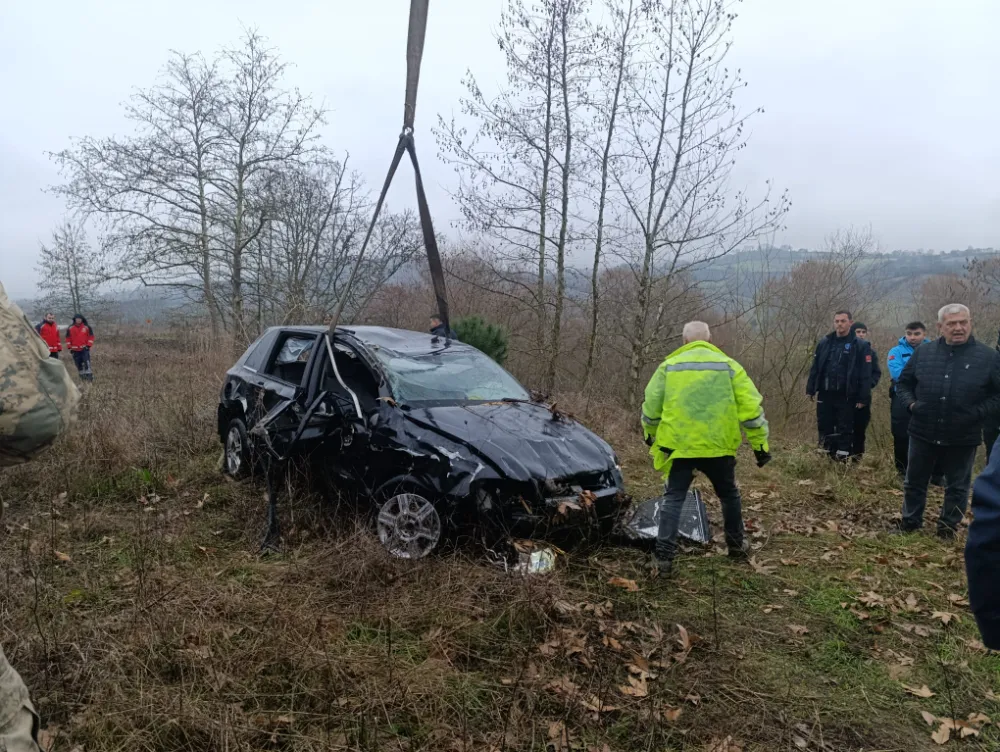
(79, 336)
(696, 404)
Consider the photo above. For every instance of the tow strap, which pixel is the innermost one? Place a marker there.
(414, 53)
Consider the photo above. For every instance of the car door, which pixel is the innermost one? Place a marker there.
(279, 390)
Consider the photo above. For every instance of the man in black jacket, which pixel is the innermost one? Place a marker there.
(863, 415)
(951, 387)
(840, 381)
(438, 328)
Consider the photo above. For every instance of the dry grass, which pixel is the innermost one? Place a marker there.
(138, 610)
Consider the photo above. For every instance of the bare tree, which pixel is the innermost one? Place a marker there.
(518, 167)
(71, 274)
(152, 188)
(185, 196)
(613, 63)
(262, 128)
(789, 312)
(681, 136)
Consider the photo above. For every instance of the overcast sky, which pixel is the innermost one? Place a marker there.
(881, 112)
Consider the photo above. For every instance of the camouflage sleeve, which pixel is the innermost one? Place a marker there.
(37, 397)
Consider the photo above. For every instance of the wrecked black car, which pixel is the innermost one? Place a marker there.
(430, 432)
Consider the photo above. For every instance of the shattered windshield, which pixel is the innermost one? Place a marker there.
(461, 374)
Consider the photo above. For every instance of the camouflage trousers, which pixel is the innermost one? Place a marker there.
(18, 722)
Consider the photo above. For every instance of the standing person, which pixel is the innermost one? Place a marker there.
(48, 330)
(914, 335)
(950, 387)
(863, 415)
(840, 381)
(696, 403)
(438, 329)
(79, 339)
(991, 428)
(37, 403)
(982, 553)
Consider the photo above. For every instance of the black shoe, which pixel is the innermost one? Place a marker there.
(662, 567)
(946, 533)
(899, 528)
(741, 551)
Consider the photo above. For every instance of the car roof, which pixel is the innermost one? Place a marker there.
(397, 340)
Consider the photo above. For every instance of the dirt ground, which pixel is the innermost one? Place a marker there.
(139, 611)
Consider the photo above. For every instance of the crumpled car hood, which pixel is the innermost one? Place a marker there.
(520, 441)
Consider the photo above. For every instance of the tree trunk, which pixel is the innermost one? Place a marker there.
(236, 268)
(543, 203)
(602, 199)
(639, 328)
(550, 377)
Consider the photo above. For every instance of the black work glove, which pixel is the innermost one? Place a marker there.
(763, 457)
(649, 441)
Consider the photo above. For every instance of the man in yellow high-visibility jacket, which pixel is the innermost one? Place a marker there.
(696, 404)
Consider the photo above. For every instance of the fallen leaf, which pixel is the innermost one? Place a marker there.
(976, 645)
(61, 556)
(942, 735)
(929, 718)
(992, 697)
(693, 697)
(729, 744)
(790, 593)
(799, 742)
(761, 567)
(958, 600)
(770, 607)
(612, 643)
(637, 687)
(946, 617)
(922, 691)
(807, 482)
(672, 714)
(629, 585)
(798, 629)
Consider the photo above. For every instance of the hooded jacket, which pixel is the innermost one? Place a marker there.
(898, 357)
(859, 366)
(950, 390)
(876, 368)
(697, 402)
(79, 336)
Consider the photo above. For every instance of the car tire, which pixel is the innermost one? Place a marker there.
(419, 528)
(236, 453)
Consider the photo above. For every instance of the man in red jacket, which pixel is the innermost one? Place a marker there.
(80, 338)
(49, 332)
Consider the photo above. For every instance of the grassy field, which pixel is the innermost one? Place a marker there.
(137, 608)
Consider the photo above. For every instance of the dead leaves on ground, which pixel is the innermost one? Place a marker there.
(629, 585)
(922, 691)
(969, 727)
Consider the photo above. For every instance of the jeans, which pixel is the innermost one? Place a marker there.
(955, 462)
(721, 472)
(82, 360)
(862, 417)
(835, 420)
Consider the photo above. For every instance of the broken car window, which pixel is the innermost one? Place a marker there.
(459, 374)
(295, 350)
